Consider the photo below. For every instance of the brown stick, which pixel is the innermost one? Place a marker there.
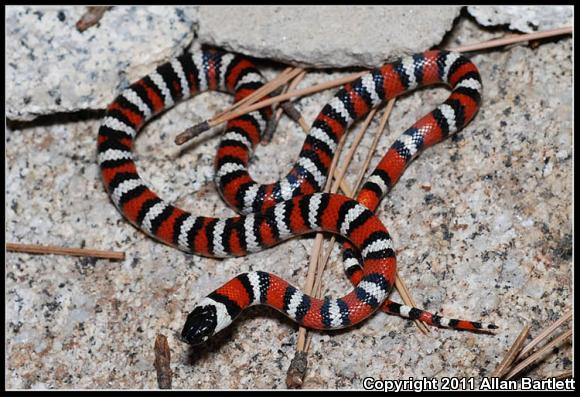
(544, 334)
(512, 353)
(409, 301)
(339, 175)
(296, 371)
(51, 249)
(382, 124)
(339, 179)
(195, 130)
(294, 114)
(268, 88)
(91, 17)
(273, 122)
(342, 171)
(289, 95)
(288, 109)
(310, 277)
(271, 86)
(256, 94)
(514, 39)
(291, 86)
(298, 117)
(162, 362)
(538, 354)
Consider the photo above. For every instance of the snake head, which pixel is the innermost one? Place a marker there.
(200, 325)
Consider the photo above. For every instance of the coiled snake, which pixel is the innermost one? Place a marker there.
(293, 205)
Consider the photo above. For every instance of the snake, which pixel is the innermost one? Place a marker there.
(294, 205)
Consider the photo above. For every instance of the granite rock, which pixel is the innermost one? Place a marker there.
(52, 67)
(326, 36)
(526, 19)
(482, 225)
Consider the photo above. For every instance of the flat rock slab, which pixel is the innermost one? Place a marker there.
(54, 68)
(325, 36)
(524, 18)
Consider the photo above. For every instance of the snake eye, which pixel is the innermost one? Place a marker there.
(200, 325)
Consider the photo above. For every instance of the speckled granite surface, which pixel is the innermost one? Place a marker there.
(52, 67)
(482, 223)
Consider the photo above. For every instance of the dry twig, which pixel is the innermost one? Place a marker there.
(297, 369)
(276, 82)
(517, 352)
(409, 301)
(91, 17)
(339, 180)
(317, 257)
(199, 128)
(512, 353)
(544, 334)
(538, 354)
(288, 108)
(514, 39)
(51, 249)
(245, 104)
(163, 362)
(338, 177)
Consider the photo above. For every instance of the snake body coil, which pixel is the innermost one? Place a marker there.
(292, 206)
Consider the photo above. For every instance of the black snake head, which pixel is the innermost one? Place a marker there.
(200, 325)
